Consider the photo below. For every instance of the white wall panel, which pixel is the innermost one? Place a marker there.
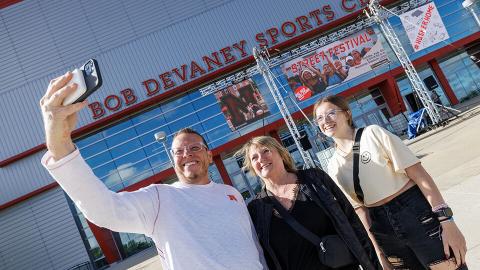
(22, 177)
(109, 21)
(40, 234)
(72, 32)
(31, 38)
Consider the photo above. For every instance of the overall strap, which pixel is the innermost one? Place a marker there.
(356, 158)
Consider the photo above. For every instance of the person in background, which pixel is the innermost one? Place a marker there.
(313, 79)
(350, 62)
(332, 74)
(411, 225)
(357, 57)
(343, 71)
(330, 214)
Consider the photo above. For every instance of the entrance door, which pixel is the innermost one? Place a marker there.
(412, 102)
(370, 109)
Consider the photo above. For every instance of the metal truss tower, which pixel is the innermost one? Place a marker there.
(262, 58)
(376, 12)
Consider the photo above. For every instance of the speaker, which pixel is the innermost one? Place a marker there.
(305, 143)
(430, 82)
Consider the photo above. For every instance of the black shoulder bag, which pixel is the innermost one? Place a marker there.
(356, 157)
(332, 250)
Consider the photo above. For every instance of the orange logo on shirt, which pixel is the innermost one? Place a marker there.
(232, 198)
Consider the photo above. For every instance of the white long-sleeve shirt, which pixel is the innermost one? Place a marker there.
(193, 226)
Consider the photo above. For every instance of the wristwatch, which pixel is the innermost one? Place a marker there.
(444, 212)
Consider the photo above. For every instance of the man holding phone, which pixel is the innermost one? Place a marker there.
(195, 223)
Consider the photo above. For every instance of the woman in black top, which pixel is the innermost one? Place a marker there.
(332, 214)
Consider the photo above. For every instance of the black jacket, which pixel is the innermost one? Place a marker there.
(336, 206)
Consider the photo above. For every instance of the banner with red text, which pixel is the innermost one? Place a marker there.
(242, 104)
(335, 63)
(424, 26)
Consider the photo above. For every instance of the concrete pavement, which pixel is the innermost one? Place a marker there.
(452, 156)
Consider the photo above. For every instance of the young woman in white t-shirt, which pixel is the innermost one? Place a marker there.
(409, 222)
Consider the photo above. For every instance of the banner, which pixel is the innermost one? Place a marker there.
(242, 104)
(335, 63)
(424, 26)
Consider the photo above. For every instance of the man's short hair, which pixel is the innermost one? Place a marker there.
(188, 130)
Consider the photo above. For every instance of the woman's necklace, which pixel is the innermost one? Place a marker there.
(285, 193)
(351, 142)
(288, 197)
(340, 149)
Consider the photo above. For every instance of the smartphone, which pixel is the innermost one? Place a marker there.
(88, 79)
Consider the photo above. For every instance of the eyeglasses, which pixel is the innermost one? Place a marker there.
(191, 148)
(332, 115)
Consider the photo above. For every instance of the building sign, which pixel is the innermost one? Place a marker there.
(335, 63)
(242, 104)
(424, 26)
(182, 73)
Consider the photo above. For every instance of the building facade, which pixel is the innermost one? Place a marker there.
(171, 64)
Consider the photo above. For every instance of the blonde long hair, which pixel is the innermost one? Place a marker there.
(270, 143)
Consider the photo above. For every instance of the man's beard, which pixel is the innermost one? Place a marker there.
(191, 178)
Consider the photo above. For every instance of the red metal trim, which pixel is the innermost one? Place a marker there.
(106, 243)
(391, 94)
(6, 3)
(192, 84)
(443, 81)
(22, 155)
(400, 106)
(28, 195)
(274, 134)
(222, 170)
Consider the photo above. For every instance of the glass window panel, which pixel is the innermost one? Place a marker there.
(181, 117)
(134, 243)
(98, 157)
(238, 182)
(215, 174)
(123, 142)
(147, 124)
(212, 121)
(462, 75)
(91, 145)
(113, 180)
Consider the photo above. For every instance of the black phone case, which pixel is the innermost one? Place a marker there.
(93, 78)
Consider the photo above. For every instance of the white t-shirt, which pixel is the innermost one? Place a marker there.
(193, 226)
(382, 163)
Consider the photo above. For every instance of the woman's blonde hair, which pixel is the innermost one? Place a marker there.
(271, 144)
(337, 101)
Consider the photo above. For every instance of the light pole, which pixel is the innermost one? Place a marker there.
(161, 137)
(470, 5)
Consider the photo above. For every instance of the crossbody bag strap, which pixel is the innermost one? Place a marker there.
(356, 158)
(299, 228)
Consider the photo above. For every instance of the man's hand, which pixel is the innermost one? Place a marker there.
(59, 120)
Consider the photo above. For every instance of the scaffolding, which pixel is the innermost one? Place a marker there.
(376, 12)
(262, 57)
